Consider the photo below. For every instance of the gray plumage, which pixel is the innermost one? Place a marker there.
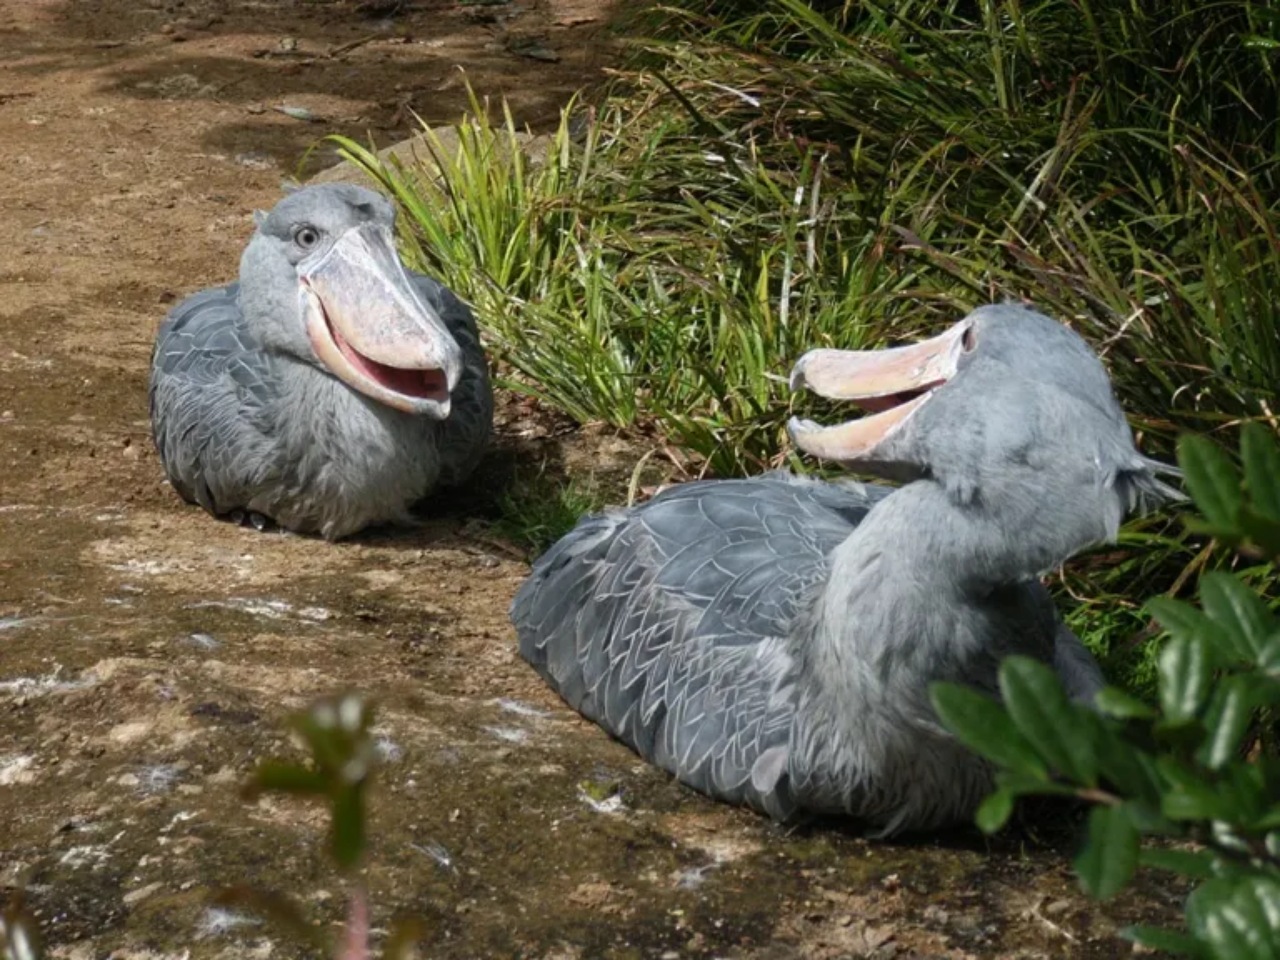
(770, 641)
(248, 417)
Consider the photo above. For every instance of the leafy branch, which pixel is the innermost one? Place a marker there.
(343, 755)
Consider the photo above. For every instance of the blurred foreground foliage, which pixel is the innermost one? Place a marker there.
(1199, 770)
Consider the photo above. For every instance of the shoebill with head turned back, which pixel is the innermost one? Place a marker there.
(771, 641)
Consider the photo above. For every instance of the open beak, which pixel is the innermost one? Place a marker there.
(890, 384)
(371, 327)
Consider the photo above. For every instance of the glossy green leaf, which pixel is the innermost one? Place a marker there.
(1183, 669)
(1197, 864)
(1243, 788)
(1270, 821)
(1237, 609)
(1021, 785)
(1260, 456)
(1110, 856)
(1269, 655)
(1187, 796)
(1114, 702)
(1183, 620)
(1169, 941)
(1260, 530)
(1177, 617)
(985, 727)
(1131, 770)
(1239, 917)
(1265, 689)
(1049, 721)
(1212, 480)
(994, 811)
(1227, 719)
(1148, 818)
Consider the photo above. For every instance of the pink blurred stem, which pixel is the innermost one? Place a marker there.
(355, 943)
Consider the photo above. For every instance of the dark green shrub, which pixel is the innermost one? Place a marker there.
(1199, 772)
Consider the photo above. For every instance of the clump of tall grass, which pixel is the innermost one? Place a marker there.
(777, 176)
(621, 291)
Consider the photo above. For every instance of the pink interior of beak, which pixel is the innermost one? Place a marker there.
(881, 404)
(890, 385)
(419, 384)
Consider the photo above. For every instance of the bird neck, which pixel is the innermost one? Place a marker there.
(929, 582)
(926, 588)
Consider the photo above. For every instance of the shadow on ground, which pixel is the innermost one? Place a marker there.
(354, 73)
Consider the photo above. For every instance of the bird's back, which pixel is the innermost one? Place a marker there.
(210, 382)
(669, 624)
(201, 335)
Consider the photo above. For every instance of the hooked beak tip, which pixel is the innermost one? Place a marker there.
(796, 381)
(797, 428)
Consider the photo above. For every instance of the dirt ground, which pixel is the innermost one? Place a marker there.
(148, 653)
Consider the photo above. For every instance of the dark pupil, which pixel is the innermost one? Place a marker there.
(306, 237)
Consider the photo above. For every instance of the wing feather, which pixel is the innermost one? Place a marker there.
(669, 624)
(210, 385)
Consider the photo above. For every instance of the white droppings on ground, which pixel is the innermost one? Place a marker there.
(85, 951)
(52, 682)
(15, 769)
(146, 568)
(520, 709)
(202, 641)
(611, 805)
(267, 609)
(388, 750)
(159, 779)
(712, 840)
(693, 877)
(218, 922)
(442, 858)
(182, 816)
(508, 734)
(89, 855)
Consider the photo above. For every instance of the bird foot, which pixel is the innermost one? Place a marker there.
(251, 518)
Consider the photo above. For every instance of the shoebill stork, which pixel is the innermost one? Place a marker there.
(329, 388)
(771, 641)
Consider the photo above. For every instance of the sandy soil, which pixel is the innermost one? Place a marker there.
(148, 653)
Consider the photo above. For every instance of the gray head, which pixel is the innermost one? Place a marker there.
(322, 282)
(1007, 406)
